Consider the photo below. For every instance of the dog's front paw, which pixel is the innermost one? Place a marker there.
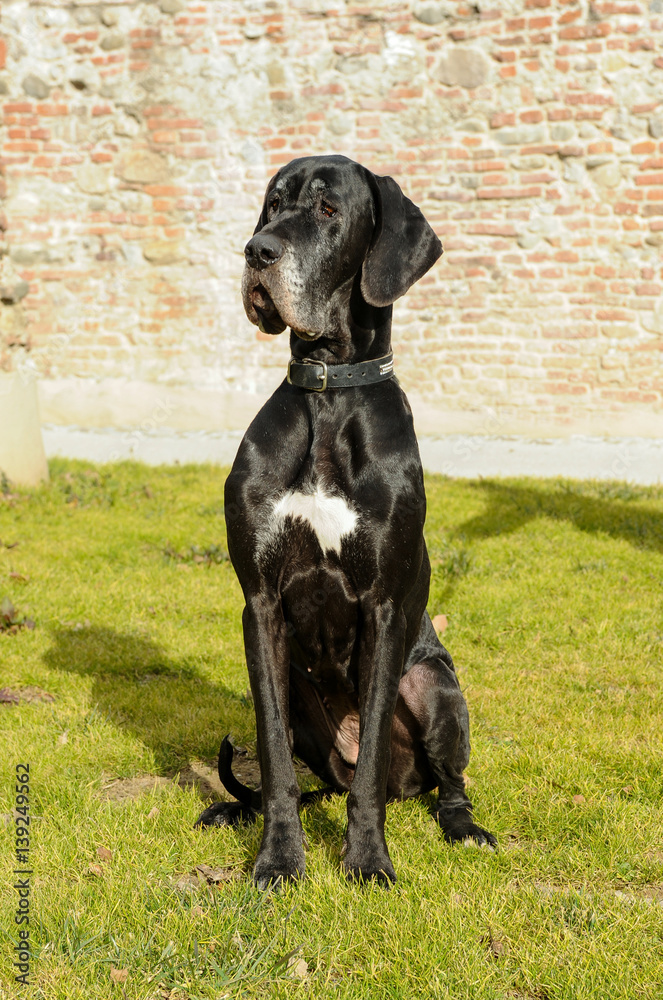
(370, 864)
(279, 863)
(457, 825)
(380, 872)
(226, 814)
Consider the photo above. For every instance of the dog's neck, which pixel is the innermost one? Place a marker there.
(357, 331)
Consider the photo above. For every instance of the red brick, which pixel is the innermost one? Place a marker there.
(578, 31)
(537, 23)
(165, 138)
(509, 192)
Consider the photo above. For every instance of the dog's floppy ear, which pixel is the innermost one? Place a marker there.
(264, 211)
(262, 221)
(404, 246)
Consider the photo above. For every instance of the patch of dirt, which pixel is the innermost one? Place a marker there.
(9, 696)
(123, 789)
(198, 775)
(204, 779)
(204, 875)
(245, 768)
(647, 894)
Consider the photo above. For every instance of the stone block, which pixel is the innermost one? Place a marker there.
(562, 131)
(110, 16)
(464, 66)
(653, 321)
(431, 12)
(34, 86)
(12, 287)
(86, 15)
(93, 178)
(521, 135)
(142, 166)
(163, 251)
(607, 175)
(28, 255)
(113, 40)
(472, 125)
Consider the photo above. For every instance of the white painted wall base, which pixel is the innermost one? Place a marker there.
(148, 406)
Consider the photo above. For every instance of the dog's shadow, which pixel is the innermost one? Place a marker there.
(167, 705)
(595, 509)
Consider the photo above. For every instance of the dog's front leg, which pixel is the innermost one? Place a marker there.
(281, 854)
(380, 669)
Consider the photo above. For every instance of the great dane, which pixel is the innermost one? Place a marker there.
(325, 510)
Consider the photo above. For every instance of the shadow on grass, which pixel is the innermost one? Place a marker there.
(510, 507)
(595, 508)
(163, 702)
(167, 706)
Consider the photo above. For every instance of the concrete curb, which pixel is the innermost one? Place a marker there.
(636, 459)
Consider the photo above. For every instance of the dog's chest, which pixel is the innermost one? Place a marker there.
(326, 513)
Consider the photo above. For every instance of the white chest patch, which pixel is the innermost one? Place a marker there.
(330, 517)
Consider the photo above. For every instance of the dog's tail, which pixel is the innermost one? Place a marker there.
(249, 796)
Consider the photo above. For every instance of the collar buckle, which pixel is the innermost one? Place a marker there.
(305, 361)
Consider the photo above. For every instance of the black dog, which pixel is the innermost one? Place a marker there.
(325, 510)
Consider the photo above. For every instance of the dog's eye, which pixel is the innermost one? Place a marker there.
(274, 204)
(327, 210)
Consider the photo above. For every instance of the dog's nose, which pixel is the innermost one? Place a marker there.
(261, 251)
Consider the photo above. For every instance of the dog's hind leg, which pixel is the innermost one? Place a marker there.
(314, 737)
(432, 693)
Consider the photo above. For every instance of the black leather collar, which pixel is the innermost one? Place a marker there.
(318, 376)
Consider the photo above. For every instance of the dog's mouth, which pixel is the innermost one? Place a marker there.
(263, 311)
(267, 315)
(304, 335)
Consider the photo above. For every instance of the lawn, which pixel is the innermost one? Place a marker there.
(122, 667)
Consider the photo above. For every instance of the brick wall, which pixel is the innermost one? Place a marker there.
(138, 137)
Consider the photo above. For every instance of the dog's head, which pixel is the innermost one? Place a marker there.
(327, 221)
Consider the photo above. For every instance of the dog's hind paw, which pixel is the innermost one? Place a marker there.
(226, 814)
(457, 826)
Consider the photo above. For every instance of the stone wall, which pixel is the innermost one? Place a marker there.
(138, 137)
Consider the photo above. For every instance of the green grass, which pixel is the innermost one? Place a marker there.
(554, 596)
